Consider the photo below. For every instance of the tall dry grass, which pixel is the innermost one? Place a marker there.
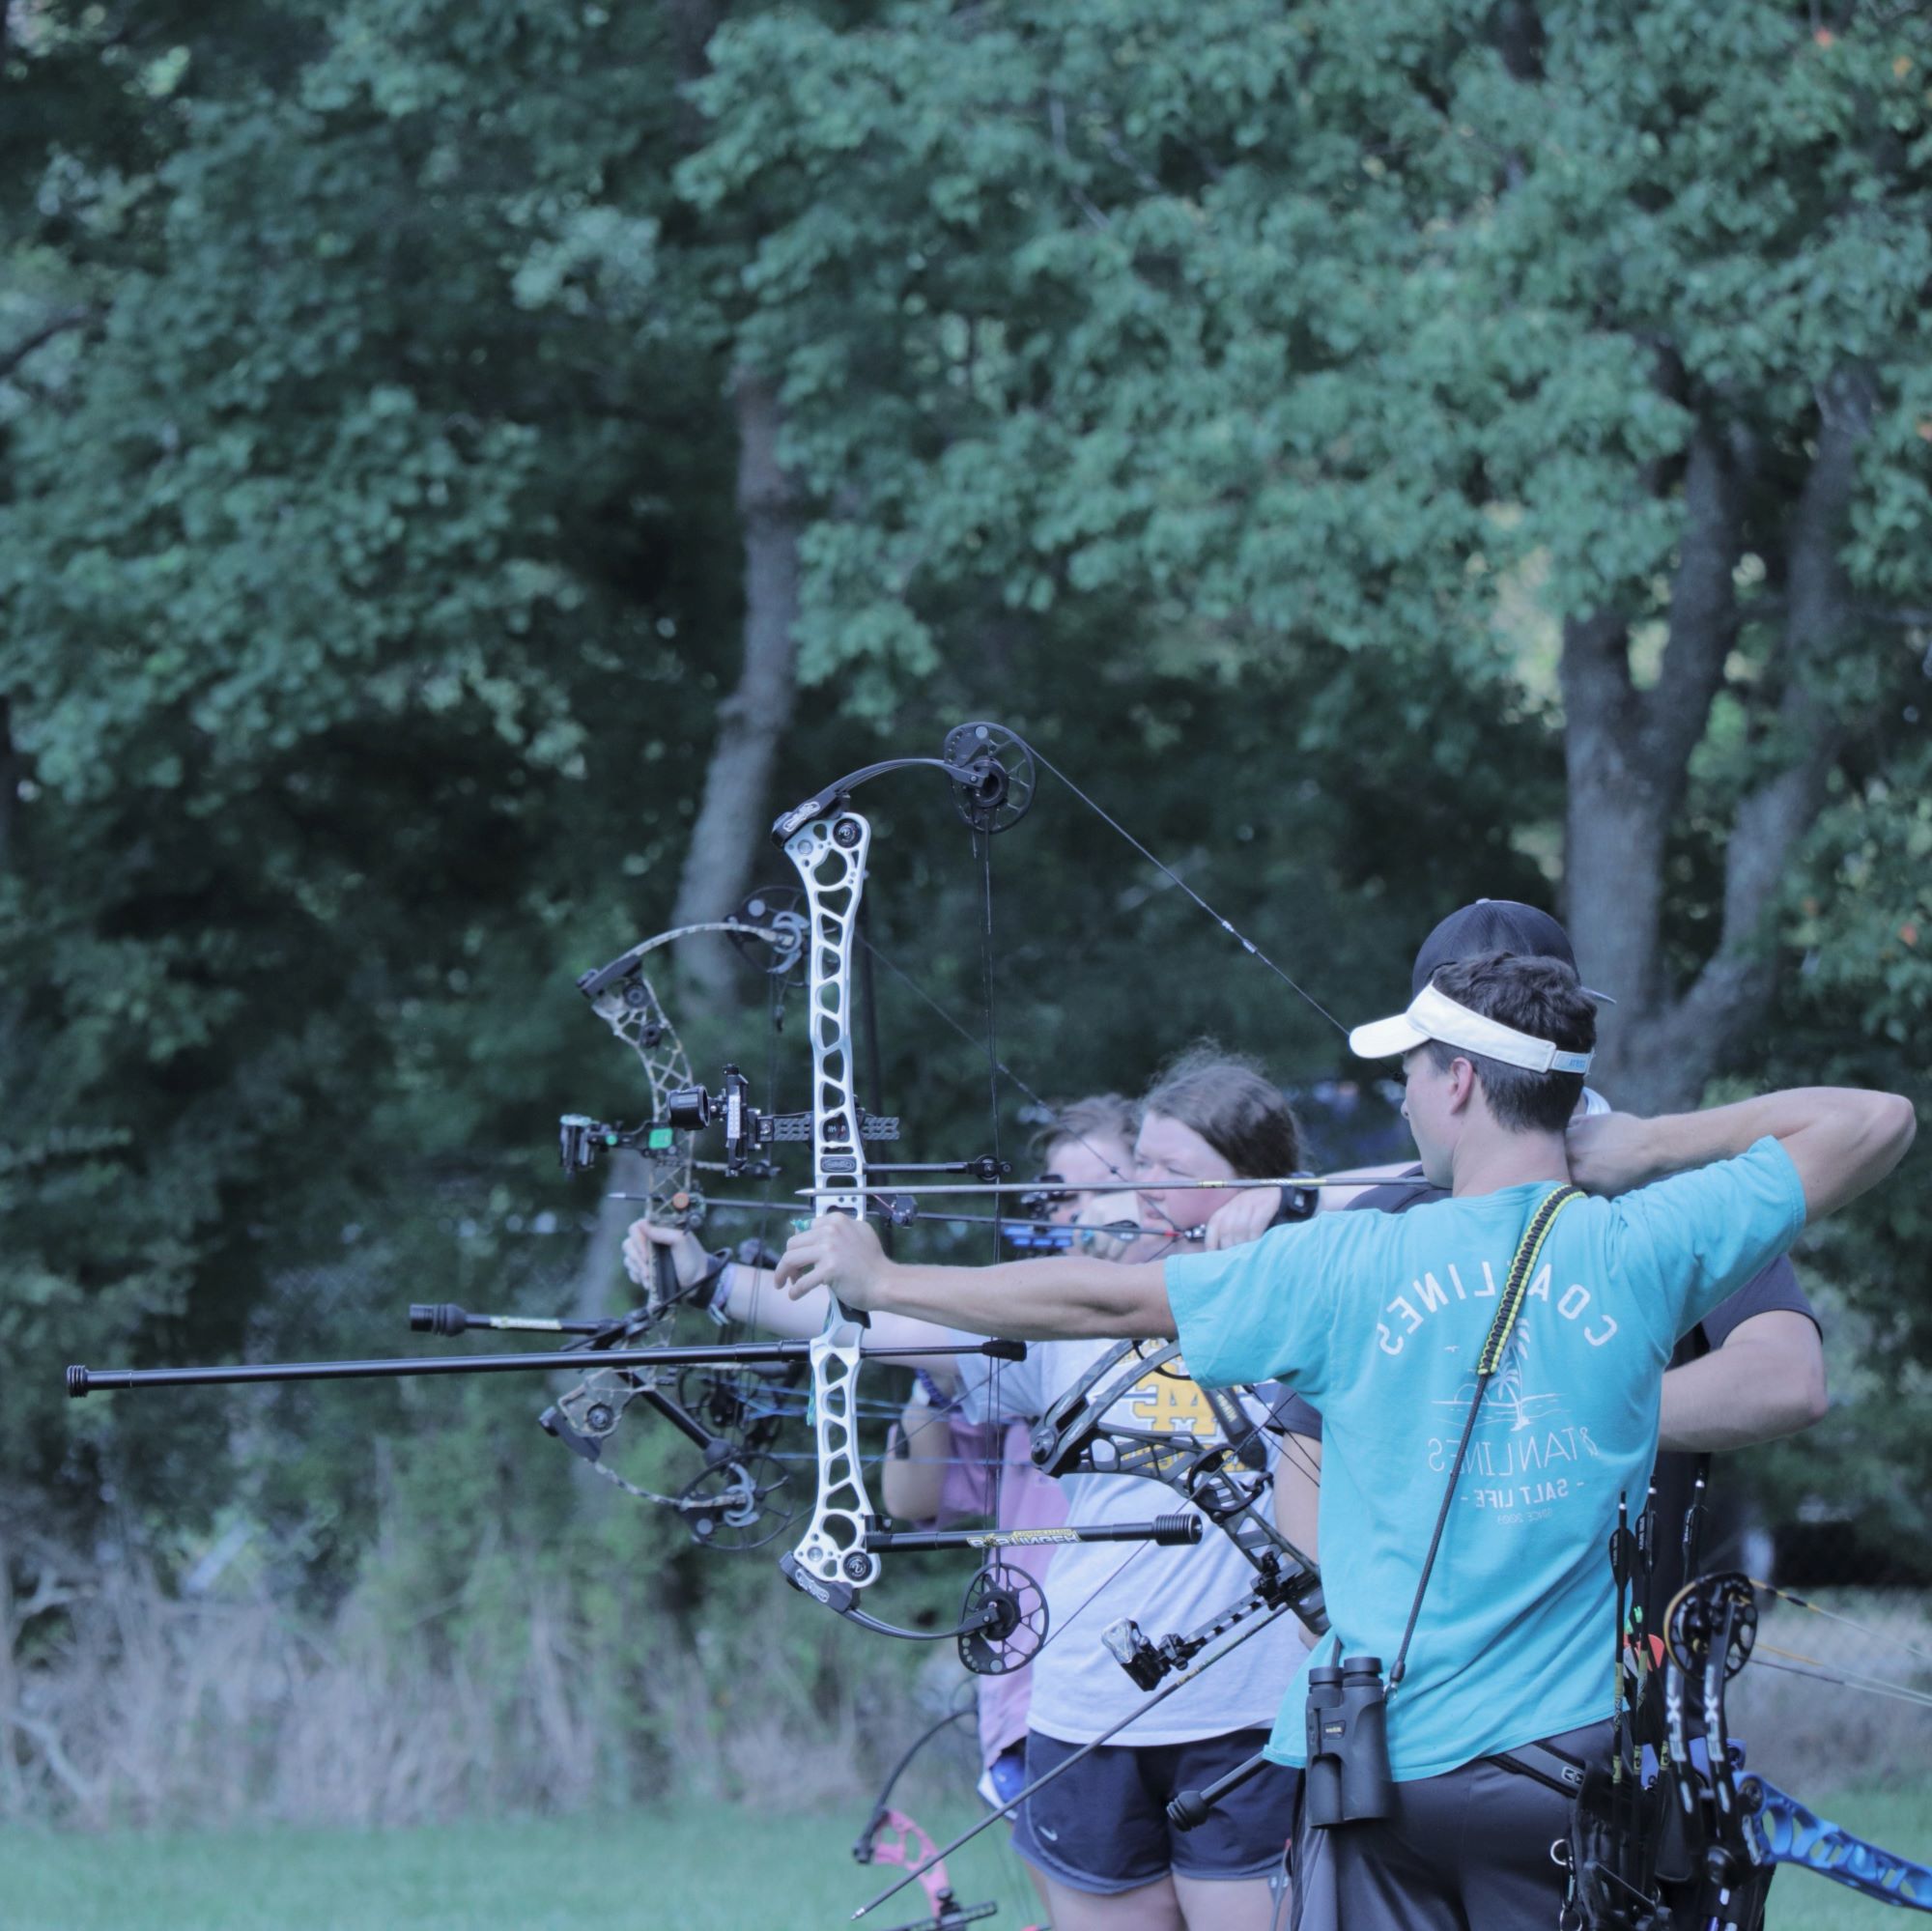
(122, 1704)
(151, 1711)
(1808, 1734)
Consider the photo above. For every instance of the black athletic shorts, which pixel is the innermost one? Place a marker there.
(1103, 1827)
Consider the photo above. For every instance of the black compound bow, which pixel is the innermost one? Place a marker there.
(1694, 1846)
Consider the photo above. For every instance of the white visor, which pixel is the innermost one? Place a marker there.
(1434, 1015)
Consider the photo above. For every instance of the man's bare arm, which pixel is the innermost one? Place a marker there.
(1074, 1299)
(1842, 1140)
(1767, 1380)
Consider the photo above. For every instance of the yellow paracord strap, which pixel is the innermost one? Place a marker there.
(1517, 1287)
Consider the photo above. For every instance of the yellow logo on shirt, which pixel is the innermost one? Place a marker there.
(1171, 1404)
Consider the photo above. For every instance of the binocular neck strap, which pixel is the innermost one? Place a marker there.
(1509, 1305)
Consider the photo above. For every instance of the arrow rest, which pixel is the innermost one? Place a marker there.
(774, 919)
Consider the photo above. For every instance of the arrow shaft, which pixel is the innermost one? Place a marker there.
(1164, 1186)
(94, 1381)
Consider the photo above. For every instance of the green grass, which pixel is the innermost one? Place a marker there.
(681, 1870)
(713, 1870)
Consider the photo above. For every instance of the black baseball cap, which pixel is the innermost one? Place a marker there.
(1495, 925)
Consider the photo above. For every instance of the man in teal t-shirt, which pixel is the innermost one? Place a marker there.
(1379, 1319)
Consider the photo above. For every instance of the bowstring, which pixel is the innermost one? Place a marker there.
(1834, 1616)
(778, 990)
(1793, 1663)
(983, 844)
(1168, 872)
(1303, 1457)
(993, 1558)
(1000, 1066)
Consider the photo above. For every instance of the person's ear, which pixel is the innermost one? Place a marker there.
(1461, 1084)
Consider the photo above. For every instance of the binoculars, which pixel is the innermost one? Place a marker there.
(1348, 1778)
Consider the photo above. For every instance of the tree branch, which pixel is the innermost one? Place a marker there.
(1729, 997)
(1703, 613)
(10, 781)
(59, 324)
(85, 1792)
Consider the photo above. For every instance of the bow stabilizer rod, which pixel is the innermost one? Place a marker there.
(1168, 1531)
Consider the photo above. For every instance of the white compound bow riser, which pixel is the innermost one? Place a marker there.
(829, 854)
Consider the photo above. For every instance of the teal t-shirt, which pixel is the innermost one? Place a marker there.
(1379, 1318)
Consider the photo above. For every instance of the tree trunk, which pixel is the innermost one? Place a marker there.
(729, 837)
(730, 834)
(1629, 757)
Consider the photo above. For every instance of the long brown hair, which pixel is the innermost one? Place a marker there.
(1233, 1106)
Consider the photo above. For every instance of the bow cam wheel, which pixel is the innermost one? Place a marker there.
(740, 1504)
(1000, 791)
(1696, 1612)
(1015, 1624)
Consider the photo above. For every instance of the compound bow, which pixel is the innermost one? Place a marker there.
(1001, 1622)
(1693, 1848)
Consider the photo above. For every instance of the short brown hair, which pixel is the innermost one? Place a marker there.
(1100, 1116)
(1233, 1106)
(1537, 995)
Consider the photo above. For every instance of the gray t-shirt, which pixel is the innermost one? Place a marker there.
(1078, 1689)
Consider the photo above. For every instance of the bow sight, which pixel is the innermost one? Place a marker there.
(691, 1110)
(582, 1142)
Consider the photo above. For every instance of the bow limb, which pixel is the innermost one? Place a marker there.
(624, 998)
(1002, 1620)
(1780, 1829)
(898, 1838)
(1739, 1826)
(831, 1559)
(734, 1501)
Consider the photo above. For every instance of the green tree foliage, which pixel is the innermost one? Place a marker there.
(1314, 346)
(1413, 370)
(356, 507)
